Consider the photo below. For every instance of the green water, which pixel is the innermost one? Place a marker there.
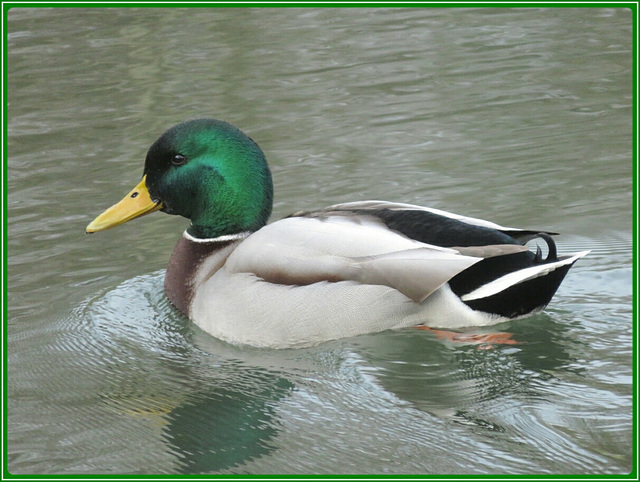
(519, 116)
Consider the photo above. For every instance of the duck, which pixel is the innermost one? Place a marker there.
(345, 270)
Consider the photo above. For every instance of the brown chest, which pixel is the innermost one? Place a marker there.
(192, 263)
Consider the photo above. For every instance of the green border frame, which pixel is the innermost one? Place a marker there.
(7, 5)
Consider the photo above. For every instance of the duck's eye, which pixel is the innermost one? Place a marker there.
(178, 160)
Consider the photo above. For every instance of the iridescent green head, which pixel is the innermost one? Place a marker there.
(205, 170)
(212, 173)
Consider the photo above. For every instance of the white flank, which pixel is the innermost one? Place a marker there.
(516, 277)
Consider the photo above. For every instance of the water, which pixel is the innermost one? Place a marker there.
(520, 116)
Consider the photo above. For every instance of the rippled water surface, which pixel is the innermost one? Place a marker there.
(523, 117)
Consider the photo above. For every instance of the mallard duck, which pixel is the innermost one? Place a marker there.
(345, 270)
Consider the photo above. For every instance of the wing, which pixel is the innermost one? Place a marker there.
(502, 247)
(432, 226)
(307, 250)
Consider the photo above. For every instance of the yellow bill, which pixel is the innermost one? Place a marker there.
(135, 204)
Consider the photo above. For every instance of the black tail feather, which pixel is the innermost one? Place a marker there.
(519, 299)
(552, 255)
(523, 298)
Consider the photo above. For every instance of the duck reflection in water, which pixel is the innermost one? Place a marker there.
(225, 426)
